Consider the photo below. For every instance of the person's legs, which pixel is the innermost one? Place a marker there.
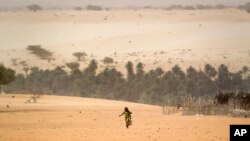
(127, 122)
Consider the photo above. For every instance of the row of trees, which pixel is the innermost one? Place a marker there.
(199, 7)
(36, 7)
(154, 87)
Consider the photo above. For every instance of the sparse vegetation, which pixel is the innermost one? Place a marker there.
(108, 61)
(80, 55)
(40, 52)
(94, 7)
(220, 6)
(189, 8)
(78, 8)
(34, 7)
(199, 7)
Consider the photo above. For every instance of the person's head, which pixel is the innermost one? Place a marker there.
(126, 109)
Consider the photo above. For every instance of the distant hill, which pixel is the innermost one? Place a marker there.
(114, 3)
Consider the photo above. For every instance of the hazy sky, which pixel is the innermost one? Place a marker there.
(114, 3)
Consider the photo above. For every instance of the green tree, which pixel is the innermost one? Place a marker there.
(191, 83)
(178, 73)
(73, 66)
(7, 75)
(223, 79)
(244, 71)
(140, 71)
(237, 81)
(130, 71)
(210, 71)
(89, 79)
(92, 68)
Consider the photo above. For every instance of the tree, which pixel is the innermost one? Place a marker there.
(178, 72)
(210, 71)
(108, 60)
(26, 69)
(192, 73)
(140, 71)
(57, 80)
(7, 75)
(159, 72)
(245, 70)
(40, 52)
(237, 81)
(130, 71)
(247, 7)
(34, 7)
(108, 81)
(80, 55)
(223, 79)
(92, 68)
(73, 65)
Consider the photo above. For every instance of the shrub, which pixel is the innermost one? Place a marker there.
(220, 6)
(94, 7)
(34, 7)
(189, 8)
(78, 8)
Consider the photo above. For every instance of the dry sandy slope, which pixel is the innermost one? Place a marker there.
(56, 118)
(158, 38)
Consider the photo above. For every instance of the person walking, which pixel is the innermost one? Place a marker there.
(127, 114)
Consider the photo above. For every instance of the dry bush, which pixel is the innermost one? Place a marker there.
(236, 105)
(168, 110)
(239, 113)
(33, 99)
(207, 110)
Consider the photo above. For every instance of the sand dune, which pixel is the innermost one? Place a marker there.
(211, 36)
(65, 118)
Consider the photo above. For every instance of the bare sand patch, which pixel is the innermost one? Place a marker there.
(66, 118)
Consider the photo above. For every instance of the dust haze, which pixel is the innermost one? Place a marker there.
(68, 69)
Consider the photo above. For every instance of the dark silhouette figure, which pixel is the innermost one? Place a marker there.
(127, 114)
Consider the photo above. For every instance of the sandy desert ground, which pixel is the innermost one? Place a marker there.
(64, 118)
(158, 38)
